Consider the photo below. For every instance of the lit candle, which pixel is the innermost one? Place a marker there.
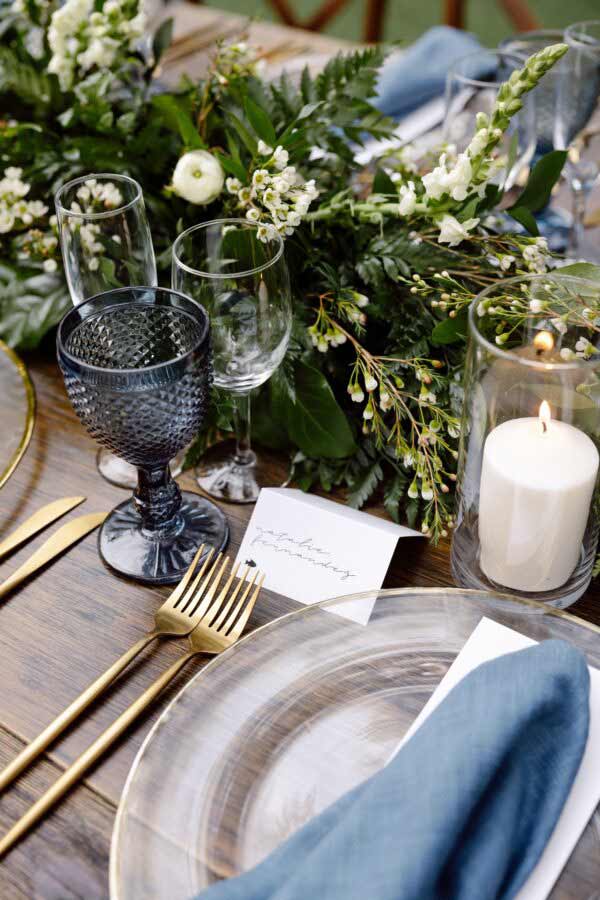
(537, 480)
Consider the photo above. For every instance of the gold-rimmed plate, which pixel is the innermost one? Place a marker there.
(293, 716)
(17, 405)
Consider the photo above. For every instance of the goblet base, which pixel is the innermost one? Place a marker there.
(122, 474)
(221, 476)
(161, 557)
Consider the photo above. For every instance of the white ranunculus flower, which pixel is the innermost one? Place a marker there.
(198, 177)
(452, 232)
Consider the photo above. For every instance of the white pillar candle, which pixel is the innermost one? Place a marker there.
(537, 481)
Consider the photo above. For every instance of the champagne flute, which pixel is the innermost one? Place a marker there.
(236, 270)
(106, 243)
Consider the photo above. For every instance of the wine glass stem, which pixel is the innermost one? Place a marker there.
(579, 204)
(157, 499)
(243, 450)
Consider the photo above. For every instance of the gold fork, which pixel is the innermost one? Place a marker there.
(221, 625)
(175, 618)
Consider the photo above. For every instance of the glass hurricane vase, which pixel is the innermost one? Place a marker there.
(137, 368)
(527, 518)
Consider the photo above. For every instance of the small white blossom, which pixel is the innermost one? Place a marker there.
(233, 185)
(50, 265)
(280, 158)
(370, 383)
(264, 149)
(535, 305)
(567, 354)
(560, 326)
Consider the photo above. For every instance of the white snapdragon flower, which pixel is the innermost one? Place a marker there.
(478, 142)
(436, 181)
(408, 199)
(452, 232)
(459, 178)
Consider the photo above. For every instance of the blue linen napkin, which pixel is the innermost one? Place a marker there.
(465, 809)
(413, 76)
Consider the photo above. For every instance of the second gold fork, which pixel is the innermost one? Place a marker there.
(175, 618)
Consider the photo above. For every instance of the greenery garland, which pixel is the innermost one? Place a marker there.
(384, 261)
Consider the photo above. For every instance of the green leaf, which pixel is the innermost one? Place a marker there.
(31, 303)
(233, 167)
(383, 184)
(582, 270)
(542, 179)
(525, 218)
(24, 80)
(177, 117)
(449, 331)
(162, 40)
(364, 485)
(244, 135)
(315, 422)
(393, 494)
(260, 122)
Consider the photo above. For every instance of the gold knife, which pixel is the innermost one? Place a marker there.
(40, 519)
(66, 535)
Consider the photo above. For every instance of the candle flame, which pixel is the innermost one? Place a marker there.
(545, 415)
(543, 341)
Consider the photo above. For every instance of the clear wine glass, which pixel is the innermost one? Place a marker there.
(577, 100)
(467, 94)
(236, 269)
(106, 243)
(137, 369)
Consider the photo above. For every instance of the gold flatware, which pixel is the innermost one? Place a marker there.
(40, 519)
(221, 625)
(175, 618)
(66, 535)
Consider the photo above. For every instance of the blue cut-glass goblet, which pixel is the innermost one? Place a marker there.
(137, 367)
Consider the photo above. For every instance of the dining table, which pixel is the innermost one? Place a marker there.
(72, 619)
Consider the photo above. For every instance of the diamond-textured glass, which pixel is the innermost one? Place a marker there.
(236, 269)
(136, 364)
(106, 243)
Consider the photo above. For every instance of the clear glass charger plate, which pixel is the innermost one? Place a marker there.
(18, 411)
(297, 713)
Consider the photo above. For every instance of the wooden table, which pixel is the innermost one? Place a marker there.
(84, 617)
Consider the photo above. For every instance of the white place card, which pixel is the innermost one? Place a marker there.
(314, 549)
(489, 640)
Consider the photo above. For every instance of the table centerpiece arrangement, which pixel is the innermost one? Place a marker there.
(384, 259)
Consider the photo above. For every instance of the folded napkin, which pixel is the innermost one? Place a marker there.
(413, 76)
(463, 811)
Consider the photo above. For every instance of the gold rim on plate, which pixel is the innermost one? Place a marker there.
(18, 454)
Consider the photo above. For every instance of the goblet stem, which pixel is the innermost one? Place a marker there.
(242, 417)
(157, 499)
(579, 195)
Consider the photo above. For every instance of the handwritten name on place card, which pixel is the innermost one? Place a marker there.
(313, 549)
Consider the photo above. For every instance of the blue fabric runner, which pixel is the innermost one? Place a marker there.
(464, 811)
(413, 76)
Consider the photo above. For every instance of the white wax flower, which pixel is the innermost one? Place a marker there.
(264, 149)
(452, 232)
(198, 177)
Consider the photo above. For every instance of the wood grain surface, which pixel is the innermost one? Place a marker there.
(70, 621)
